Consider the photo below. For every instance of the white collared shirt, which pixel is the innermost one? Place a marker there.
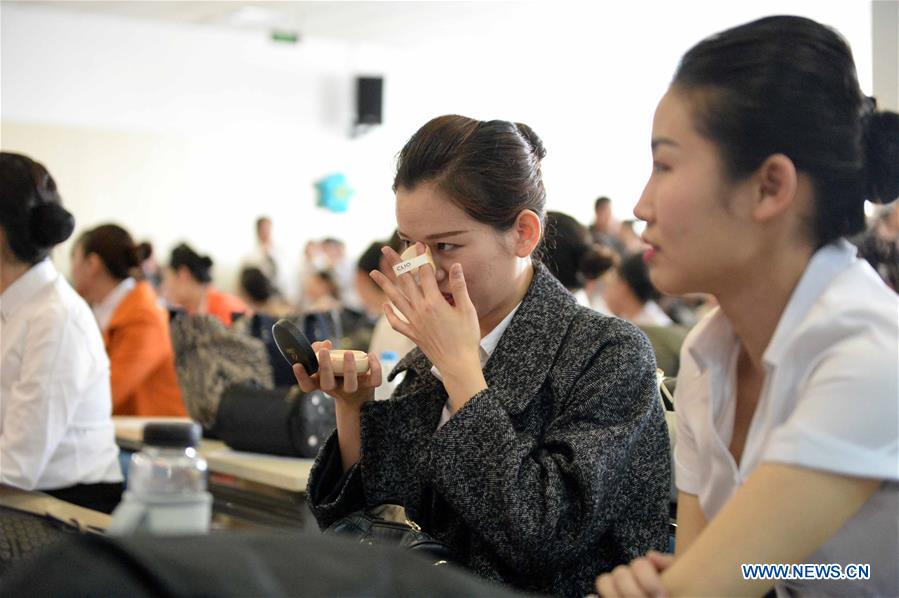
(487, 347)
(104, 310)
(829, 402)
(55, 407)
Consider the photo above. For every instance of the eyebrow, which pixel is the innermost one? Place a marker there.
(657, 141)
(437, 235)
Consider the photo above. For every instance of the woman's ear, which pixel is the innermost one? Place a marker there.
(528, 231)
(776, 184)
(94, 264)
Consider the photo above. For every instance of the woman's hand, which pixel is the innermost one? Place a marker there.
(448, 334)
(353, 390)
(642, 577)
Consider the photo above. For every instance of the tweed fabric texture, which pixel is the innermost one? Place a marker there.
(558, 471)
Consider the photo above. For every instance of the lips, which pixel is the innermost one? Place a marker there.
(651, 252)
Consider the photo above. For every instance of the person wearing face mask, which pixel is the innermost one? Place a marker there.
(527, 433)
(56, 433)
(764, 152)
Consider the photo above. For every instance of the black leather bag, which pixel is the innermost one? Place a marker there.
(388, 525)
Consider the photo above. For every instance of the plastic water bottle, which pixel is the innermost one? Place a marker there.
(388, 360)
(166, 491)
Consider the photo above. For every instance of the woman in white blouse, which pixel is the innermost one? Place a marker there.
(56, 432)
(764, 150)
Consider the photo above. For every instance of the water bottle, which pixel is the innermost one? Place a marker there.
(388, 360)
(166, 491)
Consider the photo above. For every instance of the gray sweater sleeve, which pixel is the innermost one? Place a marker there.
(332, 493)
(535, 503)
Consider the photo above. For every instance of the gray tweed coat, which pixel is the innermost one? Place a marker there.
(558, 471)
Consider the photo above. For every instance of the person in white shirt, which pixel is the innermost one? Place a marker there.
(56, 432)
(764, 151)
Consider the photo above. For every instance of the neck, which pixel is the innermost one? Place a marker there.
(195, 302)
(522, 284)
(102, 288)
(11, 272)
(631, 310)
(756, 302)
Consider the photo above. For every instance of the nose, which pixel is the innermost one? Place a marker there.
(439, 272)
(644, 208)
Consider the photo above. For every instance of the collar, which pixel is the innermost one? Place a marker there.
(104, 310)
(714, 336)
(29, 284)
(826, 264)
(541, 321)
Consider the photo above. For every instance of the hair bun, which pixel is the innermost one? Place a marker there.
(533, 140)
(50, 224)
(882, 157)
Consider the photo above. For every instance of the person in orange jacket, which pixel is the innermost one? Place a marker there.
(105, 271)
(186, 284)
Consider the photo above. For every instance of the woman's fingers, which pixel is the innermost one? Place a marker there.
(625, 582)
(647, 576)
(307, 384)
(350, 379)
(459, 288)
(428, 279)
(325, 371)
(405, 281)
(660, 560)
(605, 586)
(397, 324)
(394, 294)
(374, 372)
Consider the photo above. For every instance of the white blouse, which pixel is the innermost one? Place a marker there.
(829, 402)
(55, 407)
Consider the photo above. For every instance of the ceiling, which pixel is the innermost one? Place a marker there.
(366, 22)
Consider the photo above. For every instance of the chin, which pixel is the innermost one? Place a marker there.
(666, 283)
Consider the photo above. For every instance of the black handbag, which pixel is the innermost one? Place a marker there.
(276, 422)
(388, 525)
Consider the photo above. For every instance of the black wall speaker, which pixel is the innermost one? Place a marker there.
(368, 100)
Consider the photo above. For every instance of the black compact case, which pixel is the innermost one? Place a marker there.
(294, 345)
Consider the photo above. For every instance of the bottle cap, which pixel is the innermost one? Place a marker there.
(172, 434)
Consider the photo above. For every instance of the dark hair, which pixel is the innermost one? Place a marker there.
(31, 211)
(567, 252)
(633, 271)
(144, 251)
(198, 266)
(328, 277)
(256, 284)
(115, 248)
(601, 201)
(788, 85)
(370, 258)
(489, 169)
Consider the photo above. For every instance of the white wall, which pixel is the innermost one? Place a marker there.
(190, 132)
